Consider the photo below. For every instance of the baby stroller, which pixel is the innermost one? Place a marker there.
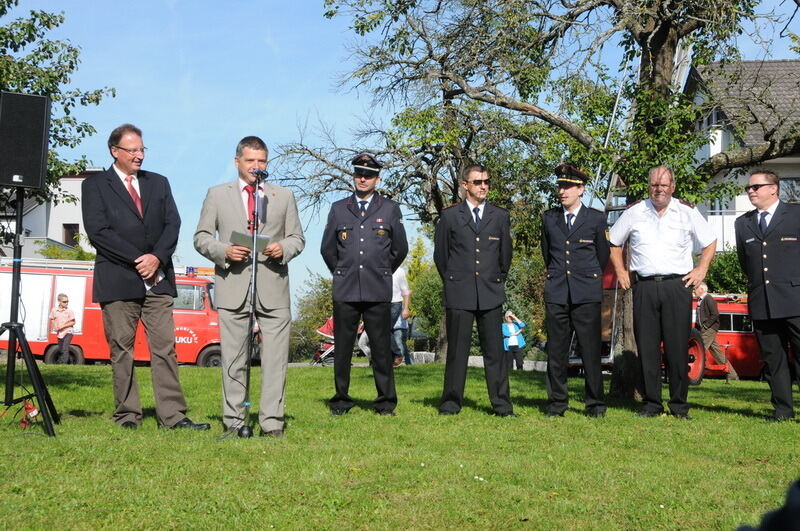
(324, 354)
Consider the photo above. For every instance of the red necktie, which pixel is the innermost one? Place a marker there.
(251, 207)
(136, 199)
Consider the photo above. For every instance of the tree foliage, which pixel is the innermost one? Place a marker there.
(314, 307)
(30, 63)
(538, 61)
(725, 274)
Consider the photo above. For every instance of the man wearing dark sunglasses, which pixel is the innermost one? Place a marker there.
(472, 252)
(768, 245)
(364, 242)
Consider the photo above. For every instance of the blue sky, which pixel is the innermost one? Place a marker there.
(197, 76)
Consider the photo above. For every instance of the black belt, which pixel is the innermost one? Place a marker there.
(655, 278)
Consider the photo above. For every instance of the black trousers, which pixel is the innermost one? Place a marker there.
(459, 339)
(585, 320)
(773, 334)
(516, 357)
(378, 326)
(663, 312)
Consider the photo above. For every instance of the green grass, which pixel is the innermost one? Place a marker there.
(417, 470)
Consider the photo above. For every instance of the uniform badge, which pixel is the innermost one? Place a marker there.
(344, 235)
(788, 239)
(379, 220)
(493, 238)
(381, 232)
(585, 241)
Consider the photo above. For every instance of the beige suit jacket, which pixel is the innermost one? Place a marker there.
(222, 214)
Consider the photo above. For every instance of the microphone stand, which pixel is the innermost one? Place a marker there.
(244, 430)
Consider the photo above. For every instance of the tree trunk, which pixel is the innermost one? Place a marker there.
(441, 343)
(626, 374)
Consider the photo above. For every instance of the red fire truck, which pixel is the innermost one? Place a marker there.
(196, 323)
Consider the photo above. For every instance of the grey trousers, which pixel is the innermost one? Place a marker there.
(275, 325)
(120, 319)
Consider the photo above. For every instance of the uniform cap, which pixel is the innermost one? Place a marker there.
(568, 174)
(366, 162)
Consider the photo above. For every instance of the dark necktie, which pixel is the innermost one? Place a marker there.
(251, 207)
(477, 217)
(570, 217)
(362, 208)
(762, 223)
(135, 196)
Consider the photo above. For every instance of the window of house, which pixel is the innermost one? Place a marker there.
(71, 232)
(790, 189)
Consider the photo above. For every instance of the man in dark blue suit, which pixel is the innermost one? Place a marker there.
(133, 223)
(364, 242)
(472, 252)
(576, 251)
(768, 245)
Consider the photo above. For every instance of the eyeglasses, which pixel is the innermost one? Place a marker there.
(479, 182)
(756, 187)
(132, 151)
(64, 301)
(367, 177)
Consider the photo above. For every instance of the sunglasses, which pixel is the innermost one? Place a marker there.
(479, 182)
(756, 187)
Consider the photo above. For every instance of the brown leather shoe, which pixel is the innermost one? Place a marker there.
(277, 434)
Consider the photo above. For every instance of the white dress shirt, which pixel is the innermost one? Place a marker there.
(661, 245)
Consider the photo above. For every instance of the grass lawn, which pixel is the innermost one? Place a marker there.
(416, 470)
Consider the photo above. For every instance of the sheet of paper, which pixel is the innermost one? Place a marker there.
(246, 240)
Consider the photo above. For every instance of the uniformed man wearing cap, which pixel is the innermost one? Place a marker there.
(661, 232)
(472, 253)
(364, 242)
(575, 250)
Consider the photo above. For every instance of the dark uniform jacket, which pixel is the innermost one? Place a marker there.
(771, 262)
(473, 263)
(574, 260)
(120, 236)
(362, 253)
(707, 313)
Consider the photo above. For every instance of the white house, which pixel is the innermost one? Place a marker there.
(762, 100)
(58, 224)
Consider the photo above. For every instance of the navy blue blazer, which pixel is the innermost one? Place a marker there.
(574, 259)
(120, 235)
(473, 262)
(771, 262)
(362, 253)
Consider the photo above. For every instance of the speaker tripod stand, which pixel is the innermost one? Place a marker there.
(16, 338)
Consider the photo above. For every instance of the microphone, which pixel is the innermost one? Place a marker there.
(260, 174)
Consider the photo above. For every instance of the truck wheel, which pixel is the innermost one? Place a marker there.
(210, 357)
(697, 358)
(75, 355)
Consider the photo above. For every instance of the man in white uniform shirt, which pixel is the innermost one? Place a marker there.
(661, 232)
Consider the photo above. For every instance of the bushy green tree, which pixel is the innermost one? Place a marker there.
(725, 274)
(30, 63)
(314, 307)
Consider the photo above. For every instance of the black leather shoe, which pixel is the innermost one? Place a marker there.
(448, 413)
(682, 416)
(506, 414)
(551, 414)
(187, 423)
(385, 413)
(781, 418)
(275, 434)
(338, 411)
(129, 425)
(648, 414)
(596, 413)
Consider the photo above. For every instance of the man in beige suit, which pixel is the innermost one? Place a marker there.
(229, 208)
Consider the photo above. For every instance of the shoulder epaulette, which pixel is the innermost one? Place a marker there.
(451, 206)
(634, 203)
(597, 210)
(686, 203)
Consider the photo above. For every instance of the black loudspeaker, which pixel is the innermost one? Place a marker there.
(24, 128)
